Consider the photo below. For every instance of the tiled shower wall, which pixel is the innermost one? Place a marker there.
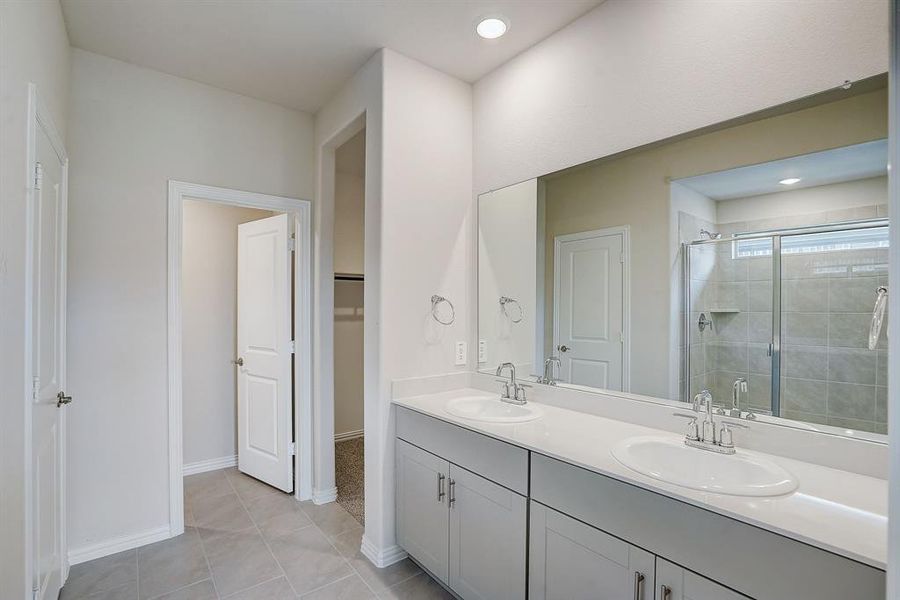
(828, 374)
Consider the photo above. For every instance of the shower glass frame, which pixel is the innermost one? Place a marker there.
(775, 235)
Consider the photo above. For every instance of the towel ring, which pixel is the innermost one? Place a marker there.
(504, 300)
(435, 302)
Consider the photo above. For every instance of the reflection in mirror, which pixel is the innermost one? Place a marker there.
(744, 259)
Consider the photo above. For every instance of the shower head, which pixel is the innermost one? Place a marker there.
(710, 235)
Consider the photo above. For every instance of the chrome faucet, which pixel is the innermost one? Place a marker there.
(511, 392)
(548, 377)
(740, 385)
(707, 437)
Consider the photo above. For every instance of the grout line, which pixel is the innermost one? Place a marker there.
(253, 587)
(263, 538)
(137, 573)
(158, 596)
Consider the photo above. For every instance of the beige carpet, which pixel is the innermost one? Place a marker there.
(349, 476)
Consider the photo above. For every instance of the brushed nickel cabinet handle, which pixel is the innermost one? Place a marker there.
(638, 585)
(440, 493)
(452, 492)
(665, 592)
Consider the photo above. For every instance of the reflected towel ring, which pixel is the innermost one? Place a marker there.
(435, 302)
(881, 296)
(504, 300)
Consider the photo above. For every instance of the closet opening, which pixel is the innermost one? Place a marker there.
(349, 288)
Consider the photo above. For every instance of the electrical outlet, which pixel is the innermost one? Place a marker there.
(460, 353)
(482, 351)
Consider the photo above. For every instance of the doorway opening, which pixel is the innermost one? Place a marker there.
(239, 341)
(349, 290)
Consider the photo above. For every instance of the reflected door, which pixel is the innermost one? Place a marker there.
(265, 407)
(729, 324)
(588, 308)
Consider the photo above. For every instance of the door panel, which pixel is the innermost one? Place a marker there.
(573, 561)
(588, 306)
(422, 519)
(48, 283)
(675, 583)
(265, 387)
(487, 538)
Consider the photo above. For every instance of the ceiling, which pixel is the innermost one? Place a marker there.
(849, 163)
(298, 53)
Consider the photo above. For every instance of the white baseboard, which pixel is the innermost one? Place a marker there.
(210, 464)
(349, 435)
(381, 557)
(324, 496)
(118, 544)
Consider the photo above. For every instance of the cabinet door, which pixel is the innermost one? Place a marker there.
(573, 561)
(422, 507)
(487, 538)
(675, 583)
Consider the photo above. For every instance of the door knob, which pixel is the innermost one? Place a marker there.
(563, 348)
(239, 362)
(62, 399)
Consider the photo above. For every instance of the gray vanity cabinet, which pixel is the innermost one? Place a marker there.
(467, 530)
(675, 583)
(422, 505)
(571, 561)
(487, 538)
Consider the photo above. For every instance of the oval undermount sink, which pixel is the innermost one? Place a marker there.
(491, 409)
(670, 460)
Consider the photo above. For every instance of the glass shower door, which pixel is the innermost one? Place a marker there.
(730, 321)
(829, 285)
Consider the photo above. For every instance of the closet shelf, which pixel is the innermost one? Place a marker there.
(723, 309)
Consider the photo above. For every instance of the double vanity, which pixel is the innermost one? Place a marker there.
(510, 501)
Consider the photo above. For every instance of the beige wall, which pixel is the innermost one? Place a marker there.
(349, 257)
(209, 327)
(634, 190)
(34, 48)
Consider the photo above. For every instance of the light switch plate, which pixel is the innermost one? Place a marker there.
(461, 353)
(482, 351)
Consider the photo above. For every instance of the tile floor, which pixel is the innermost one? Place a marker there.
(245, 540)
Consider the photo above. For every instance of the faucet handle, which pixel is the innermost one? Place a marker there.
(520, 393)
(726, 439)
(692, 432)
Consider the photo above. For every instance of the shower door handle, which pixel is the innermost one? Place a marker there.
(770, 350)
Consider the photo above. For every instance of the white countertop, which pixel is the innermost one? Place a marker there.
(835, 510)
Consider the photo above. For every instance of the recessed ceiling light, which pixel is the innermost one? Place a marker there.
(491, 28)
(789, 181)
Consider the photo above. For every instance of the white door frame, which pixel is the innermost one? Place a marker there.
(300, 210)
(622, 230)
(38, 117)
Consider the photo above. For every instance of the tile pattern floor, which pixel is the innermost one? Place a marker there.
(245, 540)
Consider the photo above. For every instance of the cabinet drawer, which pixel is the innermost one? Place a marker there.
(492, 459)
(750, 560)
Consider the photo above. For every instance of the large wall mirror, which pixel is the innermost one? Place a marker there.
(747, 259)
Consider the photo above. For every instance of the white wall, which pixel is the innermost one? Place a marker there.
(837, 197)
(419, 241)
(34, 48)
(636, 71)
(209, 327)
(132, 130)
(507, 266)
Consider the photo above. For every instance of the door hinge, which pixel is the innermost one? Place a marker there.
(292, 244)
(292, 347)
(293, 448)
(38, 175)
(35, 386)
(622, 337)
(622, 257)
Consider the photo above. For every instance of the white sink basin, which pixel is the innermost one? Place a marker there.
(670, 460)
(491, 409)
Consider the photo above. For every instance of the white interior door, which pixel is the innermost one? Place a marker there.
(588, 307)
(48, 367)
(265, 407)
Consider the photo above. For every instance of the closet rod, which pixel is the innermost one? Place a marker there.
(349, 277)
